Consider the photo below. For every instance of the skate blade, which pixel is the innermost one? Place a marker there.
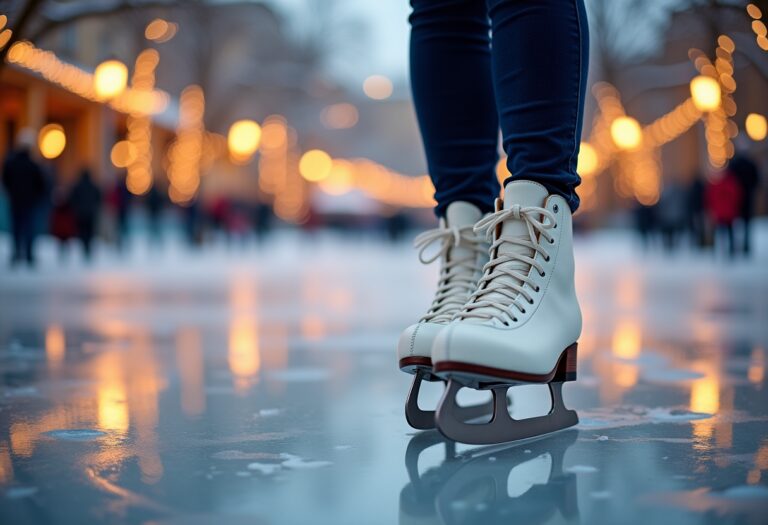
(425, 419)
(501, 428)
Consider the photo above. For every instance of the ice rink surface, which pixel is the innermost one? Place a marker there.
(258, 384)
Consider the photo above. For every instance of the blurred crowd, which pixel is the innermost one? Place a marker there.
(713, 211)
(78, 212)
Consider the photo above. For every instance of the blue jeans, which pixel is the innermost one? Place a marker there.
(477, 65)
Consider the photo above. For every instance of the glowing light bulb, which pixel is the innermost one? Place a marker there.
(315, 165)
(243, 139)
(110, 79)
(587, 163)
(626, 133)
(756, 126)
(51, 141)
(705, 92)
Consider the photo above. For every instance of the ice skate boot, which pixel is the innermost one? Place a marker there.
(462, 254)
(522, 323)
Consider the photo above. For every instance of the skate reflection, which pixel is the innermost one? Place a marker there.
(523, 482)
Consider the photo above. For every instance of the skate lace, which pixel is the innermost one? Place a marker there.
(496, 297)
(458, 276)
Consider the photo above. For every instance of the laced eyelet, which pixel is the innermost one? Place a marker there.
(523, 310)
(530, 301)
(552, 241)
(543, 274)
(547, 258)
(537, 290)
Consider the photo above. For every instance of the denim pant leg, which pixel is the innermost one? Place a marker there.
(452, 85)
(540, 53)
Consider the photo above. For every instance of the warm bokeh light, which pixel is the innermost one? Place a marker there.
(705, 92)
(315, 165)
(726, 43)
(110, 79)
(5, 36)
(339, 116)
(377, 87)
(3, 21)
(588, 161)
(626, 133)
(55, 346)
(756, 126)
(159, 30)
(243, 140)
(754, 11)
(123, 154)
(51, 141)
(185, 153)
(340, 180)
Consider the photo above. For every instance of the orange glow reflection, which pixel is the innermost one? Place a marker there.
(113, 407)
(312, 327)
(705, 398)
(55, 346)
(6, 466)
(189, 359)
(627, 340)
(756, 372)
(244, 359)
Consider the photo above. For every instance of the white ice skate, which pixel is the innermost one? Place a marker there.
(522, 323)
(462, 254)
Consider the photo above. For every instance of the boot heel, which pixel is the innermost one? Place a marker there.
(566, 366)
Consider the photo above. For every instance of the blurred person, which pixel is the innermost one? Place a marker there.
(723, 199)
(155, 202)
(85, 201)
(62, 221)
(118, 201)
(747, 175)
(25, 182)
(671, 215)
(645, 223)
(477, 66)
(697, 211)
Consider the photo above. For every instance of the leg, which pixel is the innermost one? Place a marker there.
(540, 60)
(453, 95)
(17, 236)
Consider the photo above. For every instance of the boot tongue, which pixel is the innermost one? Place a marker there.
(460, 214)
(524, 194)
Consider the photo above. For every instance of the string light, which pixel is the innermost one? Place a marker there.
(185, 153)
(758, 26)
(243, 140)
(756, 126)
(78, 81)
(139, 178)
(51, 141)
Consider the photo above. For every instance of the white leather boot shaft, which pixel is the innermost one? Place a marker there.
(525, 311)
(462, 254)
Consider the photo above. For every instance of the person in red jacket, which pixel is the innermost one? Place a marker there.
(723, 202)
